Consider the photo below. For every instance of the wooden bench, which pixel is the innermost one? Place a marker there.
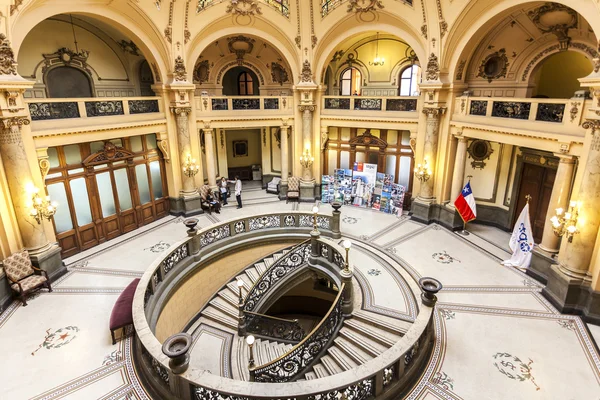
(121, 315)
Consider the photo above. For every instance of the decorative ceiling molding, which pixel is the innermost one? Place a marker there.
(298, 38)
(313, 37)
(442, 21)
(202, 72)
(557, 19)
(169, 28)
(67, 57)
(460, 69)
(129, 47)
(362, 6)
(424, 26)
(187, 35)
(14, 7)
(279, 73)
(494, 66)
(433, 68)
(244, 8)
(240, 46)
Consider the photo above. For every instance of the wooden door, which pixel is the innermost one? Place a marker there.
(126, 205)
(536, 181)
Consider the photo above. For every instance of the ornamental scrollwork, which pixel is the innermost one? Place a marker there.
(243, 7)
(433, 68)
(271, 221)
(214, 235)
(494, 66)
(8, 66)
(275, 328)
(179, 71)
(239, 227)
(289, 220)
(306, 75)
(176, 256)
(362, 6)
(307, 221)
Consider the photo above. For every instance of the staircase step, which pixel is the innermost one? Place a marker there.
(385, 325)
(320, 370)
(252, 273)
(342, 359)
(362, 342)
(331, 365)
(234, 287)
(214, 314)
(268, 261)
(349, 349)
(370, 332)
(225, 307)
(277, 256)
(230, 297)
(260, 267)
(310, 376)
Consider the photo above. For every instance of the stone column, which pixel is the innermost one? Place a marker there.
(285, 162)
(307, 183)
(430, 148)
(574, 257)
(459, 168)
(558, 199)
(185, 147)
(210, 158)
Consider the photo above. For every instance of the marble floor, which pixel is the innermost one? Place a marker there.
(496, 336)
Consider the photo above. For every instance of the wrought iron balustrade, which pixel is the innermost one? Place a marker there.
(270, 327)
(511, 109)
(337, 103)
(245, 104)
(478, 107)
(51, 110)
(143, 106)
(275, 273)
(550, 112)
(401, 105)
(294, 363)
(104, 108)
(219, 104)
(271, 104)
(367, 104)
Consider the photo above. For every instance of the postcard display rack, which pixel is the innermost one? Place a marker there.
(363, 186)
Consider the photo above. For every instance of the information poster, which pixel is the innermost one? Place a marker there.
(327, 188)
(383, 192)
(364, 177)
(396, 200)
(343, 186)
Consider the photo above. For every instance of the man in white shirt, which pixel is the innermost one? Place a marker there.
(238, 191)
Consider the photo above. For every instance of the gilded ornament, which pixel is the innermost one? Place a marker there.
(8, 66)
(574, 110)
(306, 72)
(361, 6)
(494, 66)
(433, 68)
(460, 69)
(243, 7)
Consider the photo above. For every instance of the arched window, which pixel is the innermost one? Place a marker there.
(350, 82)
(409, 81)
(245, 86)
(64, 82)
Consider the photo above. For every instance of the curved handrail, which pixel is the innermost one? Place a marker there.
(293, 363)
(267, 326)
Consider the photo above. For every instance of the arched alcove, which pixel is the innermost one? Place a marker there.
(65, 82)
(557, 76)
(240, 81)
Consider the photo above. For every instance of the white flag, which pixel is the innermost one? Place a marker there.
(521, 241)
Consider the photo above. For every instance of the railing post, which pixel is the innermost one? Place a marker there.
(348, 300)
(335, 220)
(193, 233)
(429, 287)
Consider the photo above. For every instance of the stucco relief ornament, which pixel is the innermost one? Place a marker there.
(8, 66)
(306, 72)
(243, 7)
(179, 71)
(433, 68)
(361, 6)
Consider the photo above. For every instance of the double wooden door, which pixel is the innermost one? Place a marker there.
(536, 181)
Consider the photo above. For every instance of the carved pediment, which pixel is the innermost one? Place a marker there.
(66, 57)
(366, 139)
(110, 153)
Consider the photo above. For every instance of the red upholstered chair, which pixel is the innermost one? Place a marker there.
(122, 315)
(23, 276)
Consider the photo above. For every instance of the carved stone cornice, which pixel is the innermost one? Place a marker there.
(183, 111)
(434, 111)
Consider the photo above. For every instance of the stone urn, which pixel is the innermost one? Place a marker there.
(336, 205)
(191, 223)
(177, 348)
(429, 287)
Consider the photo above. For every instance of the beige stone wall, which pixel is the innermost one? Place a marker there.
(190, 297)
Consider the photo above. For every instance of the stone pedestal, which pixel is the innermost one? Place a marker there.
(50, 261)
(423, 211)
(348, 301)
(283, 189)
(186, 206)
(307, 191)
(541, 262)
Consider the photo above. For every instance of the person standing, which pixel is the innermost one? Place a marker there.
(238, 191)
(223, 189)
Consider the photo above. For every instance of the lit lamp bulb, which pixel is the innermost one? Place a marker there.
(573, 204)
(571, 229)
(559, 211)
(250, 342)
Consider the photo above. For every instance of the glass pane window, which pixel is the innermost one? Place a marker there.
(390, 165)
(155, 175)
(62, 217)
(105, 191)
(345, 159)
(123, 191)
(136, 144)
(245, 84)
(141, 175)
(72, 154)
(53, 157)
(404, 172)
(350, 82)
(151, 142)
(81, 201)
(409, 81)
(96, 147)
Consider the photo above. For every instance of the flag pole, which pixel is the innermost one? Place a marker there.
(464, 231)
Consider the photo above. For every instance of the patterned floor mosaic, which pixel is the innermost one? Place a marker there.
(496, 336)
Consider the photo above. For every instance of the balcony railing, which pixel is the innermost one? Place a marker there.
(235, 104)
(52, 109)
(562, 116)
(370, 103)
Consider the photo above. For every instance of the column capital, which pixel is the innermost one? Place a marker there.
(434, 111)
(307, 107)
(183, 111)
(593, 124)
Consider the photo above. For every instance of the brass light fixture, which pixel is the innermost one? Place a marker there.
(423, 171)
(40, 208)
(378, 61)
(347, 245)
(306, 160)
(250, 342)
(315, 211)
(565, 223)
(240, 285)
(190, 168)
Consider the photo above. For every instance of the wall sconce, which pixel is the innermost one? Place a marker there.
(565, 223)
(39, 207)
(306, 160)
(190, 168)
(347, 245)
(423, 172)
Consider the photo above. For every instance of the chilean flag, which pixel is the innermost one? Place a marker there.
(465, 204)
